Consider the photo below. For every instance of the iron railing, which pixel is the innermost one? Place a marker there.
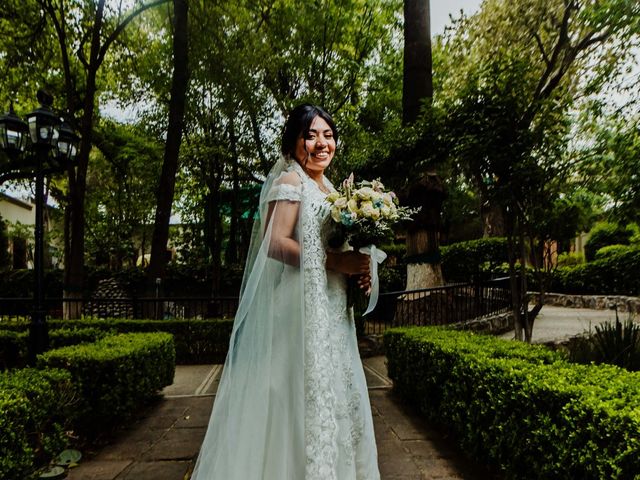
(126, 308)
(429, 306)
(438, 305)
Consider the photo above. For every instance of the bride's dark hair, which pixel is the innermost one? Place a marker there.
(299, 122)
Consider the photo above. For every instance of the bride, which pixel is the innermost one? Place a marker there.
(292, 402)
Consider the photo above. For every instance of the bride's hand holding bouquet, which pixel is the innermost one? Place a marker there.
(362, 216)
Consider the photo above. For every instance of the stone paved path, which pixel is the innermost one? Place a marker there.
(556, 323)
(164, 442)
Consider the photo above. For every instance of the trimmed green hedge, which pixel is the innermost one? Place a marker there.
(464, 260)
(609, 250)
(35, 412)
(116, 374)
(521, 408)
(196, 341)
(14, 345)
(13, 348)
(615, 274)
(604, 234)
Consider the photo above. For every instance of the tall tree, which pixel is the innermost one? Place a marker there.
(417, 84)
(167, 181)
(516, 72)
(427, 192)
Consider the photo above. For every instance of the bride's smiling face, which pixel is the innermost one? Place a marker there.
(316, 151)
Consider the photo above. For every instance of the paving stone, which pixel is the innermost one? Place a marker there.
(131, 446)
(177, 444)
(164, 444)
(158, 422)
(397, 465)
(98, 470)
(170, 470)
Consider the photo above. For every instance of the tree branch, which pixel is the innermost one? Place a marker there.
(118, 30)
(541, 48)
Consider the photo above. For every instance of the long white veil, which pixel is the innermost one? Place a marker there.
(256, 430)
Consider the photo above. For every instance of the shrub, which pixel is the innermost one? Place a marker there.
(14, 345)
(19, 283)
(618, 343)
(13, 348)
(464, 260)
(569, 259)
(604, 234)
(36, 411)
(609, 250)
(616, 274)
(115, 374)
(196, 341)
(392, 278)
(521, 408)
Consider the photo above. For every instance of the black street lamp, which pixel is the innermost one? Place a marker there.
(54, 147)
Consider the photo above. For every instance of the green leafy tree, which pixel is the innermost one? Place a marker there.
(121, 184)
(514, 76)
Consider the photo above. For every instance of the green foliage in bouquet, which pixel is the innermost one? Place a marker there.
(364, 214)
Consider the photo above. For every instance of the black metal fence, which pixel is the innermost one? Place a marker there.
(126, 308)
(429, 306)
(439, 305)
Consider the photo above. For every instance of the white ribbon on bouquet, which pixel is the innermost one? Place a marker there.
(376, 256)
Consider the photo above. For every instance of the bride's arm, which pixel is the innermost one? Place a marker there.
(282, 245)
(349, 262)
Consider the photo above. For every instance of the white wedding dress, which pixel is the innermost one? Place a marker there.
(293, 402)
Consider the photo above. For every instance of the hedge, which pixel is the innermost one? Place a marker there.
(115, 374)
(520, 408)
(14, 345)
(196, 341)
(604, 234)
(615, 274)
(464, 260)
(35, 412)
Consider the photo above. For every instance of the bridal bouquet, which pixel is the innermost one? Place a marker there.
(362, 215)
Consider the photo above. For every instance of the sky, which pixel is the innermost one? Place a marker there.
(441, 9)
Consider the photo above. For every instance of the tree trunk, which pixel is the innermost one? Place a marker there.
(166, 185)
(417, 85)
(417, 89)
(74, 262)
(231, 255)
(492, 221)
(213, 223)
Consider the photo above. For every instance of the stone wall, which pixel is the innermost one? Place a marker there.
(596, 302)
(494, 325)
(109, 300)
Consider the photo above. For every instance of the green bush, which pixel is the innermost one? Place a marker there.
(115, 375)
(615, 274)
(521, 408)
(609, 250)
(19, 283)
(392, 278)
(603, 235)
(465, 260)
(14, 345)
(615, 343)
(13, 348)
(36, 410)
(570, 259)
(196, 341)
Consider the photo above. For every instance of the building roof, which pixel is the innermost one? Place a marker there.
(16, 201)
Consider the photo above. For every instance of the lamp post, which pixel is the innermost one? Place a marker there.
(53, 145)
